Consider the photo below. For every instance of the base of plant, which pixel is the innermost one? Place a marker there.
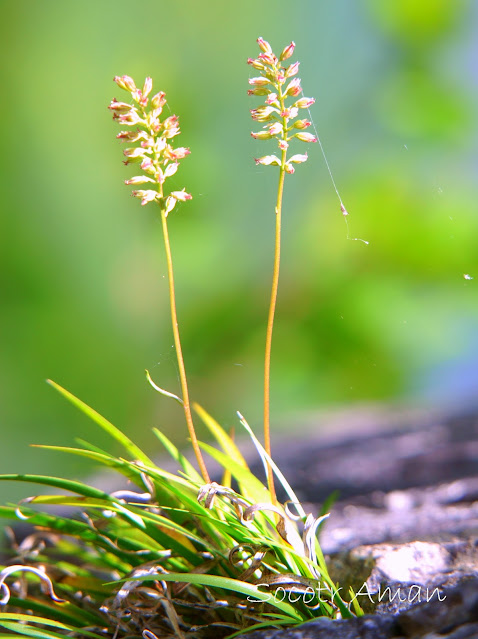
(168, 557)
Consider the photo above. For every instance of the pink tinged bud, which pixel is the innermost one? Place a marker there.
(256, 64)
(120, 107)
(148, 85)
(298, 158)
(259, 82)
(292, 70)
(263, 113)
(172, 132)
(290, 113)
(146, 196)
(159, 145)
(272, 99)
(302, 124)
(264, 45)
(159, 176)
(158, 100)
(148, 166)
(259, 91)
(126, 83)
(171, 126)
(134, 155)
(268, 59)
(293, 87)
(261, 135)
(170, 169)
(305, 137)
(181, 196)
(276, 128)
(287, 52)
(283, 145)
(289, 168)
(130, 118)
(304, 103)
(127, 136)
(268, 160)
(169, 205)
(139, 179)
(179, 153)
(137, 152)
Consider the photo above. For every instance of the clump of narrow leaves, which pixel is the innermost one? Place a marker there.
(166, 556)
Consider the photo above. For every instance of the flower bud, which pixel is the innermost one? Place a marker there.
(276, 128)
(261, 135)
(268, 58)
(264, 45)
(305, 137)
(138, 179)
(120, 107)
(179, 153)
(134, 155)
(148, 85)
(263, 113)
(259, 91)
(272, 99)
(268, 160)
(131, 118)
(283, 145)
(146, 196)
(292, 69)
(256, 64)
(126, 83)
(290, 113)
(169, 205)
(302, 124)
(261, 81)
(304, 103)
(181, 196)
(158, 100)
(287, 52)
(289, 168)
(298, 158)
(148, 166)
(170, 169)
(293, 88)
(129, 136)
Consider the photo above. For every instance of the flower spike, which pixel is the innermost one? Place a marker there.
(157, 157)
(280, 118)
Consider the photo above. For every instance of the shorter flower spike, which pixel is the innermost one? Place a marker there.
(276, 112)
(158, 159)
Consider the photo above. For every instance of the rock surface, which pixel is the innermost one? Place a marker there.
(406, 519)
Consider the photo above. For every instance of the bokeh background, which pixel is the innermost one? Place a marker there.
(84, 292)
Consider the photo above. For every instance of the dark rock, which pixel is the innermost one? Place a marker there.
(406, 519)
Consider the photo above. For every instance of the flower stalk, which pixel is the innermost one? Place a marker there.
(158, 161)
(277, 83)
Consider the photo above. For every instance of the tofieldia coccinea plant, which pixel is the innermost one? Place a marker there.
(175, 554)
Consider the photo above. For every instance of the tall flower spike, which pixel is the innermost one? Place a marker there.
(280, 85)
(158, 161)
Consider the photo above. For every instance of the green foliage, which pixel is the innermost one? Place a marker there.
(175, 558)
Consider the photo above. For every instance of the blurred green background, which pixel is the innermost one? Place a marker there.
(84, 293)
